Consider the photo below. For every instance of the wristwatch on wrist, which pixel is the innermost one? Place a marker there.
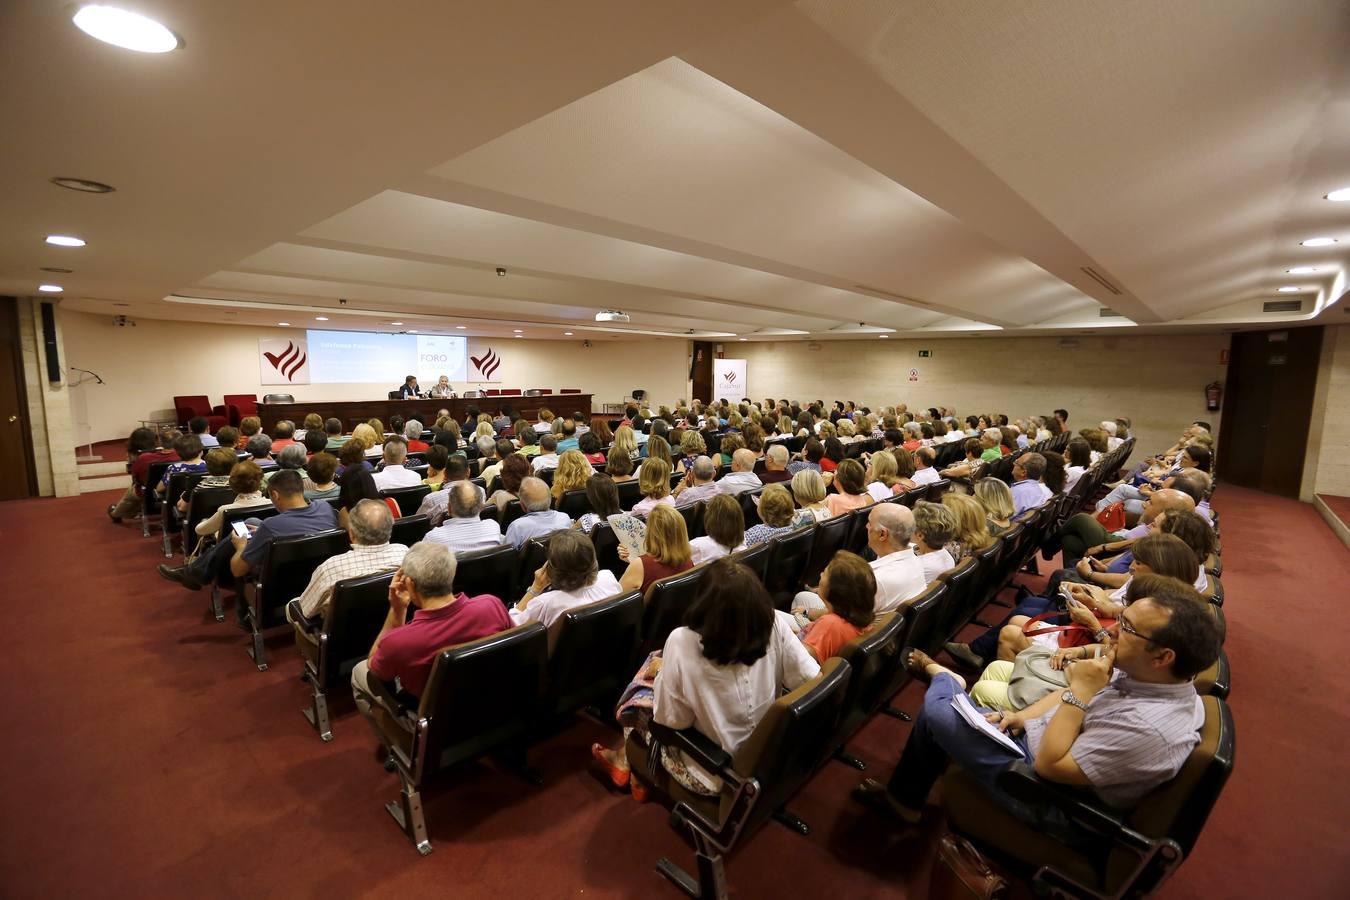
(1102, 636)
(1069, 698)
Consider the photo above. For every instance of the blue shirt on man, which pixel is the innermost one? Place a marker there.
(304, 520)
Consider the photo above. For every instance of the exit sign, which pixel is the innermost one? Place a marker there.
(924, 354)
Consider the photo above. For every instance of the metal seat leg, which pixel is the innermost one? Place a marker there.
(407, 812)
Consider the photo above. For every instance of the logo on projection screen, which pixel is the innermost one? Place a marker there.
(283, 361)
(487, 364)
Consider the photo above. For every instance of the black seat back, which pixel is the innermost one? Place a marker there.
(666, 601)
(354, 618)
(788, 559)
(592, 653)
(481, 696)
(874, 657)
(230, 516)
(630, 492)
(607, 549)
(693, 519)
(202, 506)
(408, 498)
(962, 582)
(285, 570)
(757, 558)
(491, 571)
(925, 615)
(830, 536)
(857, 529)
(532, 556)
(512, 511)
(574, 503)
(750, 506)
(408, 530)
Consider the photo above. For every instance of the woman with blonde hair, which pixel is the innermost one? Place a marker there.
(667, 553)
(654, 481)
(808, 489)
(691, 447)
(658, 448)
(785, 427)
(845, 431)
(366, 434)
(572, 473)
(484, 429)
(882, 480)
(996, 498)
(827, 431)
(972, 532)
(776, 513)
(625, 441)
(378, 427)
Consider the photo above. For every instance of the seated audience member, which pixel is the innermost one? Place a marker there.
(1027, 489)
(808, 489)
(658, 447)
(590, 447)
(436, 456)
(321, 483)
(1191, 459)
(1194, 484)
(619, 465)
(463, 531)
(260, 448)
(812, 453)
(776, 513)
(239, 555)
(371, 439)
(352, 456)
(394, 474)
(775, 465)
(315, 441)
(882, 480)
(723, 530)
(283, 435)
(571, 474)
(292, 457)
(834, 454)
(369, 527)
(973, 464)
(544, 424)
(691, 448)
(515, 468)
(654, 481)
(405, 650)
(848, 588)
(603, 498)
(248, 427)
(227, 436)
(198, 425)
(897, 569)
(699, 484)
(220, 462)
(435, 505)
(728, 445)
(413, 432)
(189, 450)
(972, 529)
(311, 422)
(625, 441)
(667, 550)
(1079, 460)
(501, 422)
(924, 471)
(850, 483)
(567, 437)
(539, 519)
(356, 485)
(333, 429)
(1082, 534)
(934, 527)
(547, 457)
(742, 476)
(246, 482)
(569, 579)
(719, 673)
(1127, 723)
(491, 461)
(997, 500)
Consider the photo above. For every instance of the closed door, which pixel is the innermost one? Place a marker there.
(16, 443)
(701, 371)
(1267, 406)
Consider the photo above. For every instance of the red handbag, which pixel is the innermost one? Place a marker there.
(1072, 635)
(1112, 518)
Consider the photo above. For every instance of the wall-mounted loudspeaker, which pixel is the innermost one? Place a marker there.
(49, 343)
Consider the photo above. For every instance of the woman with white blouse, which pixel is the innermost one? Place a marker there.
(723, 530)
(569, 579)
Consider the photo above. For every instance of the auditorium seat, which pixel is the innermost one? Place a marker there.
(408, 530)
(227, 519)
(203, 505)
(190, 406)
(169, 521)
(666, 602)
(757, 558)
(593, 652)
(963, 584)
(512, 511)
(786, 748)
(350, 625)
(750, 506)
(150, 500)
(630, 492)
(692, 514)
(873, 658)
(532, 556)
(407, 498)
(829, 539)
(282, 574)
(788, 558)
(607, 549)
(1130, 853)
(489, 571)
(574, 503)
(923, 614)
(482, 697)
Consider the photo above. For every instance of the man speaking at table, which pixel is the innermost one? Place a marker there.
(410, 388)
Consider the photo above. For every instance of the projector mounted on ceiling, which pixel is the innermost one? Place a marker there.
(612, 315)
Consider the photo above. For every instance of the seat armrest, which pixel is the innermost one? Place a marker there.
(1021, 782)
(296, 617)
(702, 749)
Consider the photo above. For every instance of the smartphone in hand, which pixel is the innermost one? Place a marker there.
(241, 530)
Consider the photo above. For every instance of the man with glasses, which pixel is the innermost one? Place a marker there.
(1127, 723)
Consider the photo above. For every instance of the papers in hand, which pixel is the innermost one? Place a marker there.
(961, 703)
(631, 532)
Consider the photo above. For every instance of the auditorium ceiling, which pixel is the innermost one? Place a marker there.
(826, 169)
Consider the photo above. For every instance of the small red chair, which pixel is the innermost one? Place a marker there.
(492, 392)
(190, 407)
(237, 407)
(510, 392)
(570, 391)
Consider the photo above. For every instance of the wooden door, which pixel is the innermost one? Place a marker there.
(1267, 406)
(16, 443)
(701, 372)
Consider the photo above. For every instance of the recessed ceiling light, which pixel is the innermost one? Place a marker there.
(883, 336)
(57, 269)
(1339, 196)
(745, 339)
(83, 184)
(1287, 289)
(1302, 270)
(395, 323)
(518, 335)
(518, 330)
(286, 324)
(461, 327)
(1319, 242)
(125, 29)
(64, 240)
(568, 333)
(412, 331)
(50, 288)
(321, 318)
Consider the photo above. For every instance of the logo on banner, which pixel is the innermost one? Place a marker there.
(487, 364)
(283, 361)
(730, 377)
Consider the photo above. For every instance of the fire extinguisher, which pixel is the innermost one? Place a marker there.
(1213, 396)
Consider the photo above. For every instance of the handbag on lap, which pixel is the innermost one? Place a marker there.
(960, 872)
(1112, 518)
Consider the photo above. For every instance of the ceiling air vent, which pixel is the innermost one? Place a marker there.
(1282, 306)
(1100, 279)
(1107, 313)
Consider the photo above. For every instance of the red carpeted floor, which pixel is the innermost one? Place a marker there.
(145, 756)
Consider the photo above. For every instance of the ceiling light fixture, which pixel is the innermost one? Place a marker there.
(567, 333)
(412, 331)
(1302, 270)
(395, 323)
(82, 184)
(517, 330)
(321, 318)
(1339, 196)
(883, 336)
(284, 324)
(745, 339)
(57, 269)
(125, 29)
(1318, 242)
(64, 240)
(50, 288)
(1287, 289)
(461, 327)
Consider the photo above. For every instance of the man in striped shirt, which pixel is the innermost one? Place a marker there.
(1125, 726)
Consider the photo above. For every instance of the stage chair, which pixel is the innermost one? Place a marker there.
(282, 575)
(489, 571)
(237, 406)
(510, 392)
(350, 625)
(408, 530)
(593, 654)
(408, 498)
(570, 391)
(790, 743)
(482, 697)
(873, 658)
(193, 405)
(1133, 853)
(537, 392)
(278, 398)
(788, 559)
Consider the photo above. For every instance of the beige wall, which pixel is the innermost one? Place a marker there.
(49, 414)
(1156, 381)
(1326, 468)
(145, 366)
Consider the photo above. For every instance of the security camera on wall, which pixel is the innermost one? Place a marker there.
(586, 344)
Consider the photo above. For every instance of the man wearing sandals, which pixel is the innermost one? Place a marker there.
(1127, 723)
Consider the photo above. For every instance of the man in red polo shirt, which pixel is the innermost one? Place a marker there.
(442, 618)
